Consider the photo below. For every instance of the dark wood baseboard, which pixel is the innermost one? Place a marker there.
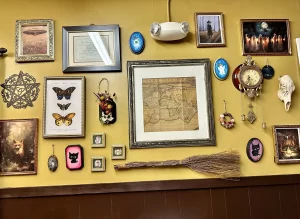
(147, 186)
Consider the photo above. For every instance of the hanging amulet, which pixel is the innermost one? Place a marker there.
(224, 123)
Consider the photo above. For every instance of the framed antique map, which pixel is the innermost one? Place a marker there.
(170, 103)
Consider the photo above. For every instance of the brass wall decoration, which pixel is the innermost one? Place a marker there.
(20, 90)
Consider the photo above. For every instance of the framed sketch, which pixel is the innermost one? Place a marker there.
(266, 37)
(287, 146)
(93, 48)
(118, 152)
(209, 29)
(19, 147)
(98, 140)
(34, 40)
(98, 164)
(170, 103)
(64, 107)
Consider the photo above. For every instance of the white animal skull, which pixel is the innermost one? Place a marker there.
(286, 88)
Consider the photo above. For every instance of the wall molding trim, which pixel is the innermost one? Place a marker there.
(147, 186)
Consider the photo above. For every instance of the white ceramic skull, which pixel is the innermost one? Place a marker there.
(286, 88)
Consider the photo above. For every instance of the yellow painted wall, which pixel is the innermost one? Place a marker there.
(137, 15)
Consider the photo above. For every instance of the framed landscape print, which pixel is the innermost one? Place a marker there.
(266, 37)
(287, 146)
(64, 107)
(34, 40)
(209, 29)
(94, 48)
(19, 147)
(170, 103)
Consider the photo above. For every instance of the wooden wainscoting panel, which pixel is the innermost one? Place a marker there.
(137, 205)
(237, 203)
(218, 203)
(155, 205)
(265, 202)
(288, 201)
(121, 203)
(172, 205)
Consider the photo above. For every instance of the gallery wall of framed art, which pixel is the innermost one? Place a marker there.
(195, 103)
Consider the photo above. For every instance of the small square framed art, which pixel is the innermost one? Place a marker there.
(64, 107)
(286, 143)
(98, 164)
(98, 140)
(118, 152)
(94, 48)
(34, 40)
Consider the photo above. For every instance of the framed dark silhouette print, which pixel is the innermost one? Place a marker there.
(209, 29)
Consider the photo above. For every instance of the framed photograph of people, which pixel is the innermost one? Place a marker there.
(94, 48)
(98, 164)
(266, 37)
(286, 143)
(34, 40)
(19, 147)
(64, 107)
(170, 103)
(98, 140)
(209, 29)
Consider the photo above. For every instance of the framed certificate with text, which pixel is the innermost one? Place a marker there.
(94, 48)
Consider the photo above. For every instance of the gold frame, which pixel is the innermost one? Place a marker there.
(198, 43)
(82, 110)
(102, 145)
(103, 168)
(116, 157)
(276, 144)
(19, 56)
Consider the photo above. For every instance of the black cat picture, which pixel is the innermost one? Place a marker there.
(73, 157)
(254, 149)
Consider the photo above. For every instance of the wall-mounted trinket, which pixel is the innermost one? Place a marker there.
(20, 90)
(107, 106)
(268, 71)
(227, 124)
(52, 161)
(221, 69)
(255, 149)
(74, 157)
(136, 43)
(286, 88)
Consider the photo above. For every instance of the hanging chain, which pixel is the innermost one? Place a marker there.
(225, 106)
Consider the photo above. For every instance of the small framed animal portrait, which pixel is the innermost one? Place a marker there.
(64, 107)
(118, 152)
(98, 164)
(287, 146)
(98, 140)
(74, 157)
(18, 147)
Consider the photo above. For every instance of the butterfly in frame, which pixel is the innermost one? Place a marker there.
(63, 106)
(63, 93)
(59, 119)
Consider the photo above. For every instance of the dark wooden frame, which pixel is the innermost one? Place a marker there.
(222, 28)
(211, 141)
(92, 28)
(34, 172)
(267, 53)
(276, 154)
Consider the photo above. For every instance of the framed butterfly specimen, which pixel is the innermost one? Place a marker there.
(64, 107)
(74, 157)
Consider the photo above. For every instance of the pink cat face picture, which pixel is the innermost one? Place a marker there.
(74, 157)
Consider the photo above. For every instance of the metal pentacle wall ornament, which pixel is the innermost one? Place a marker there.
(107, 106)
(52, 161)
(20, 90)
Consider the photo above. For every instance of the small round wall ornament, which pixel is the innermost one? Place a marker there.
(221, 69)
(268, 71)
(52, 162)
(226, 123)
(255, 149)
(136, 43)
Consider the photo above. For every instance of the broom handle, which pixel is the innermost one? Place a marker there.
(130, 165)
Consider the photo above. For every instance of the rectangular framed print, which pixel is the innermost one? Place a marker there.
(286, 143)
(74, 157)
(98, 164)
(266, 37)
(34, 40)
(19, 147)
(170, 103)
(209, 29)
(94, 48)
(64, 107)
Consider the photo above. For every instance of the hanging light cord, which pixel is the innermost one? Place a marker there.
(168, 10)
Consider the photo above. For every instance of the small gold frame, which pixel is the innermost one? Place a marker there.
(118, 152)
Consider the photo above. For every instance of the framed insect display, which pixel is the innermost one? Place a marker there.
(64, 107)
(74, 157)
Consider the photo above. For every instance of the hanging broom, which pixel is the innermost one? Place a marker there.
(223, 165)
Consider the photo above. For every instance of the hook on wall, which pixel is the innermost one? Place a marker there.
(2, 51)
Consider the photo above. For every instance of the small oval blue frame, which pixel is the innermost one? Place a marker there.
(136, 43)
(221, 69)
